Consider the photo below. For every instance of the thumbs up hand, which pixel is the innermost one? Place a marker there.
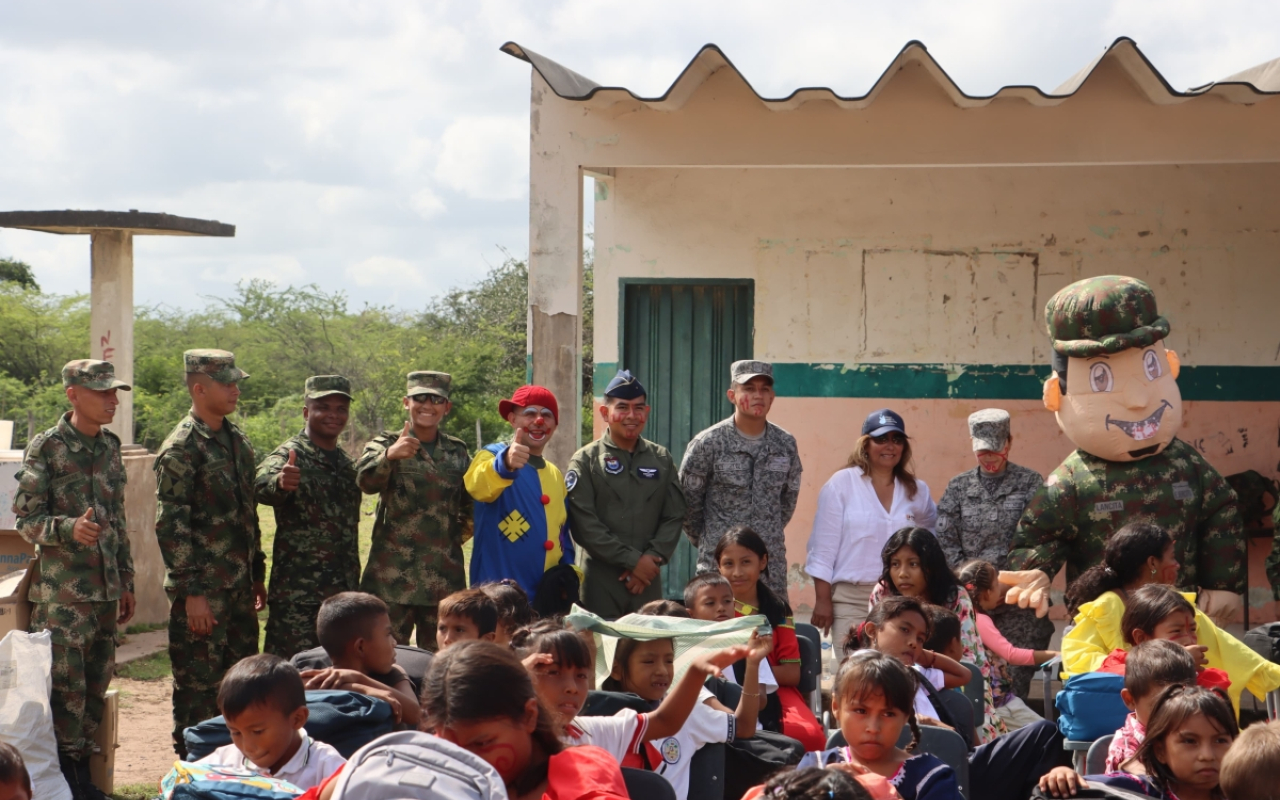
(518, 453)
(405, 446)
(290, 476)
(86, 531)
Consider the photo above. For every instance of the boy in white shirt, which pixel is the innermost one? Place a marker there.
(263, 702)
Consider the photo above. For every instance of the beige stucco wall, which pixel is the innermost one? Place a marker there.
(148, 565)
(951, 265)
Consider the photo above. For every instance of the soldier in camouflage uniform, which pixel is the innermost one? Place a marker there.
(311, 483)
(1116, 399)
(424, 512)
(743, 470)
(977, 516)
(626, 507)
(207, 528)
(70, 505)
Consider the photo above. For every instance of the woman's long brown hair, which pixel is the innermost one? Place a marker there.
(902, 473)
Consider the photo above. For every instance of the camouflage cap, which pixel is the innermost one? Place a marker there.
(324, 385)
(1106, 314)
(742, 371)
(436, 383)
(989, 429)
(97, 375)
(217, 364)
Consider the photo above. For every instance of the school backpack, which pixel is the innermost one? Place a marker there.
(1089, 706)
(187, 781)
(345, 720)
(1265, 641)
(417, 766)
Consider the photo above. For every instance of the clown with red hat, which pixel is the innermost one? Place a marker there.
(521, 526)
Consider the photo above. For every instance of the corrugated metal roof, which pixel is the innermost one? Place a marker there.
(1248, 86)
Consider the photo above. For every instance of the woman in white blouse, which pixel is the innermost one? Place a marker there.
(858, 510)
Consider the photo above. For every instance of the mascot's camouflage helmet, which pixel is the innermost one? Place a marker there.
(1106, 314)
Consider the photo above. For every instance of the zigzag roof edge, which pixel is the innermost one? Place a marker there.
(570, 85)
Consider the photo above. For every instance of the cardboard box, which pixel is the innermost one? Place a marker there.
(102, 764)
(15, 611)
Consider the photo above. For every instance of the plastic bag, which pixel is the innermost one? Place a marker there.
(26, 718)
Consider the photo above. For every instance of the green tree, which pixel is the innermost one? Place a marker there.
(19, 272)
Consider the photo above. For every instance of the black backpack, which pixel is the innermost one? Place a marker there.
(1265, 641)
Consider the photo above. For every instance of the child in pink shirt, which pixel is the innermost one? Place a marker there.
(979, 579)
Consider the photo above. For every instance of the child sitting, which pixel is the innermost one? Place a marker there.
(355, 631)
(899, 626)
(979, 580)
(1007, 768)
(709, 597)
(1152, 666)
(1135, 581)
(945, 636)
(914, 565)
(263, 702)
(815, 783)
(15, 781)
(646, 668)
(560, 665)
(1252, 763)
(465, 616)
(514, 611)
(1188, 734)
(480, 697)
(872, 699)
(743, 559)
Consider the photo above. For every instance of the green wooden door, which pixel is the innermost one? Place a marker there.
(679, 338)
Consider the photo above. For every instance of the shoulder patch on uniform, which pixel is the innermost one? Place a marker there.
(570, 480)
(647, 472)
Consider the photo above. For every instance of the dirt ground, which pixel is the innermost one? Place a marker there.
(146, 719)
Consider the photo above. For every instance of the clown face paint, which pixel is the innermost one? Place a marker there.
(1123, 406)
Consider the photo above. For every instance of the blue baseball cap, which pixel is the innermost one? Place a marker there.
(878, 423)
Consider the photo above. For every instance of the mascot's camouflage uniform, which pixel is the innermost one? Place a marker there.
(1116, 399)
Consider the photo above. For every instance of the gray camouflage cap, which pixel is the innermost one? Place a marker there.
(436, 383)
(325, 385)
(96, 375)
(989, 429)
(217, 364)
(743, 371)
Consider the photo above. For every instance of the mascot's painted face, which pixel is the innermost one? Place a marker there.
(1122, 406)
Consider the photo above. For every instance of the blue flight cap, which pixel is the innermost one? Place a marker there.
(884, 421)
(625, 386)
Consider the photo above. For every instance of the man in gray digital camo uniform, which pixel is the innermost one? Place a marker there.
(977, 517)
(744, 470)
(70, 505)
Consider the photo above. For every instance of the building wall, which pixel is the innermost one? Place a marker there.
(884, 286)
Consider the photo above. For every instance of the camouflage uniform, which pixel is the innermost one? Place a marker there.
(730, 480)
(1087, 498)
(76, 587)
(207, 528)
(978, 514)
(423, 517)
(316, 552)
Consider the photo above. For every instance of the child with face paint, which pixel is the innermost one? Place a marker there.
(1129, 599)
(914, 566)
(480, 697)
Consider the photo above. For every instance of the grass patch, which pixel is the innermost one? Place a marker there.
(145, 627)
(154, 667)
(135, 791)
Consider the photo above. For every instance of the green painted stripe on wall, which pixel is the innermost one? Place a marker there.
(978, 381)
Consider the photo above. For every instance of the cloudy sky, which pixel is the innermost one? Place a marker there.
(381, 148)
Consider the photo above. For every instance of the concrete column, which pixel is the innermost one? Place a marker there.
(111, 315)
(555, 275)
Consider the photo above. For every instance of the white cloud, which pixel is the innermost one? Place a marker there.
(385, 271)
(426, 204)
(486, 158)
(278, 269)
